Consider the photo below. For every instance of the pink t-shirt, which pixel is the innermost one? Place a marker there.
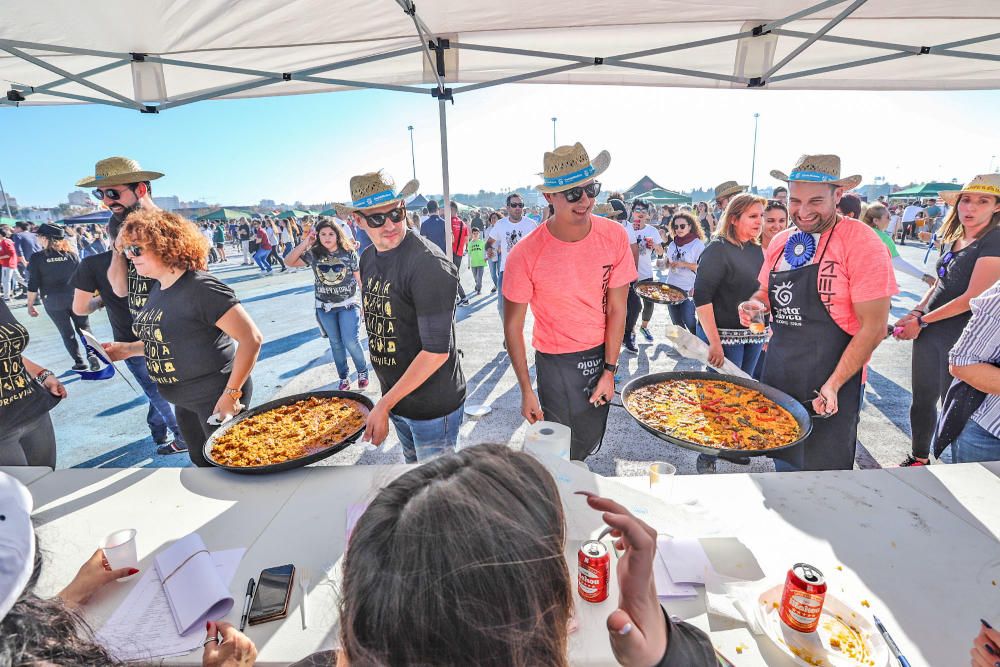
(855, 268)
(566, 284)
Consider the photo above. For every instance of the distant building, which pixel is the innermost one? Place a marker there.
(192, 204)
(79, 198)
(171, 203)
(37, 216)
(267, 203)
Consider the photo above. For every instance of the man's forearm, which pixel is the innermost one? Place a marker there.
(424, 365)
(614, 332)
(985, 376)
(513, 330)
(856, 354)
(118, 274)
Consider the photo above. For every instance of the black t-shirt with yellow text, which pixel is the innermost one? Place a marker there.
(21, 398)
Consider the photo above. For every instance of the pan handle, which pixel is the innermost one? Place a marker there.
(812, 414)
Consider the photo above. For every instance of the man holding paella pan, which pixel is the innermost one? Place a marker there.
(827, 283)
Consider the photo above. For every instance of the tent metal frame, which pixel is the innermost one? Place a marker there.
(433, 46)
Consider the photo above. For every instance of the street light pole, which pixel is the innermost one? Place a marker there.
(554, 132)
(5, 202)
(413, 155)
(753, 163)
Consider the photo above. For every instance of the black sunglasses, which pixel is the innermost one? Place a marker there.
(376, 220)
(676, 227)
(575, 194)
(108, 193)
(133, 250)
(515, 205)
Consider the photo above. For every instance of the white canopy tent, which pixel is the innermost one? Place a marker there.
(160, 54)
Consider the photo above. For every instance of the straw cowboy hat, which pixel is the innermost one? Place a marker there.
(984, 184)
(728, 189)
(568, 166)
(818, 169)
(117, 171)
(372, 190)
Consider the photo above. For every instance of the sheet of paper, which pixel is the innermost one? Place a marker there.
(194, 590)
(685, 559)
(667, 587)
(143, 628)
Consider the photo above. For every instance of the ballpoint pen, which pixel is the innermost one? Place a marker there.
(246, 603)
(892, 644)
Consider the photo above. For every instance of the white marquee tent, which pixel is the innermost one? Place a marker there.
(154, 55)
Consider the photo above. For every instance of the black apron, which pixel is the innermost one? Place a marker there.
(565, 382)
(805, 348)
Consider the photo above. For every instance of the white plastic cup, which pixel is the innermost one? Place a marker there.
(661, 480)
(120, 550)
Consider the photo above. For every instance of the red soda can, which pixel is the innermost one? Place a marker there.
(595, 571)
(802, 599)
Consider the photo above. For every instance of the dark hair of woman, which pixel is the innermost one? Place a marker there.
(45, 631)
(692, 221)
(773, 204)
(343, 243)
(952, 229)
(460, 562)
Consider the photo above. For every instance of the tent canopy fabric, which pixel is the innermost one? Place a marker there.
(644, 184)
(924, 190)
(7, 222)
(100, 216)
(293, 213)
(180, 51)
(660, 196)
(223, 214)
(416, 203)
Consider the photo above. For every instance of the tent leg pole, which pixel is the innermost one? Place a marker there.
(446, 213)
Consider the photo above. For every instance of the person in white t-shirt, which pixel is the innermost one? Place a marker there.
(646, 241)
(505, 234)
(909, 220)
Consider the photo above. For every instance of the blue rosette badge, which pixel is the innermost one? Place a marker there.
(799, 249)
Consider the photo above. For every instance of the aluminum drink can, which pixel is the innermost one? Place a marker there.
(594, 563)
(802, 599)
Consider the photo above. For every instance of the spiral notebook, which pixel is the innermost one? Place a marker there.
(195, 591)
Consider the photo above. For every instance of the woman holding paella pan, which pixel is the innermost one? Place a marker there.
(200, 344)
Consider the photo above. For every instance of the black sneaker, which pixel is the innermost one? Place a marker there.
(629, 343)
(912, 462)
(80, 366)
(95, 363)
(705, 464)
(493, 291)
(172, 447)
(464, 302)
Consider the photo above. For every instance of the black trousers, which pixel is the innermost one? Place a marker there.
(930, 381)
(70, 326)
(194, 405)
(275, 256)
(457, 259)
(30, 444)
(633, 309)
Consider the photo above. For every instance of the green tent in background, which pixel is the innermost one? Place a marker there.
(330, 213)
(294, 213)
(661, 196)
(223, 214)
(7, 221)
(924, 190)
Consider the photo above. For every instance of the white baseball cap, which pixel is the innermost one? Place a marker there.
(17, 541)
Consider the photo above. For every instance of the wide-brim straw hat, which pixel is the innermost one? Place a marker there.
(568, 166)
(984, 184)
(728, 189)
(818, 169)
(372, 190)
(117, 171)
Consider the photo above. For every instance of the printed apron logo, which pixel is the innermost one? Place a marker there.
(784, 314)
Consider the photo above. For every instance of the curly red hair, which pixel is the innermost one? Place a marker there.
(172, 238)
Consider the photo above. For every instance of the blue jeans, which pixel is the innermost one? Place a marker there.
(261, 258)
(495, 273)
(423, 439)
(743, 355)
(342, 327)
(159, 415)
(682, 314)
(499, 281)
(975, 443)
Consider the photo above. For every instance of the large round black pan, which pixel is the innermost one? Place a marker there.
(677, 294)
(796, 409)
(332, 449)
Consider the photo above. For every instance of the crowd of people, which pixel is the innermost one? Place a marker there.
(814, 263)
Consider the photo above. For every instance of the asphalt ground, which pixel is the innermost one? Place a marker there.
(103, 423)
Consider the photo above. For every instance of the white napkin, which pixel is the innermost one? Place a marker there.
(684, 557)
(735, 599)
(195, 591)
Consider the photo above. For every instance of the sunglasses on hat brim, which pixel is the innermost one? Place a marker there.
(376, 220)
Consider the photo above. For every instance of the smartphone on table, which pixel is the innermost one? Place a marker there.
(273, 592)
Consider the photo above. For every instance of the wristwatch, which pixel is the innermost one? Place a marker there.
(608, 366)
(237, 394)
(43, 376)
(920, 321)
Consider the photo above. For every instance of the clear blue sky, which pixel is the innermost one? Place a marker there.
(307, 147)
